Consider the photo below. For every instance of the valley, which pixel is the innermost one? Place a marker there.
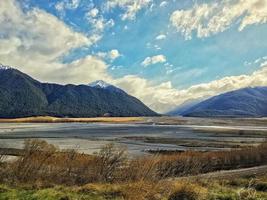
(140, 135)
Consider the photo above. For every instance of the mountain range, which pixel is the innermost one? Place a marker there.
(23, 96)
(246, 102)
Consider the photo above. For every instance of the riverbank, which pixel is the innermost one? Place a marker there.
(48, 119)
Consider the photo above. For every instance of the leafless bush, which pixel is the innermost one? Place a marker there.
(109, 163)
(1, 159)
(142, 169)
(43, 164)
(37, 154)
(70, 168)
(2, 166)
(190, 163)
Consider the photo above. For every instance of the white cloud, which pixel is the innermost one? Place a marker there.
(93, 12)
(161, 37)
(164, 97)
(97, 21)
(154, 60)
(163, 4)
(155, 96)
(111, 55)
(211, 18)
(227, 84)
(114, 53)
(46, 35)
(131, 7)
(84, 71)
(62, 6)
(100, 23)
(263, 64)
(34, 41)
(260, 60)
(9, 45)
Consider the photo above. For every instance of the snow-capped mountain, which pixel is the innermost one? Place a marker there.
(99, 84)
(106, 86)
(23, 96)
(3, 67)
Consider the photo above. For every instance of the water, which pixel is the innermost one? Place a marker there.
(90, 137)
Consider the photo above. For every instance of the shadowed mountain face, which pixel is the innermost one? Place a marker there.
(179, 110)
(22, 96)
(247, 102)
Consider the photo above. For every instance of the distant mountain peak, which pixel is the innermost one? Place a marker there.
(4, 67)
(64, 100)
(99, 84)
(106, 86)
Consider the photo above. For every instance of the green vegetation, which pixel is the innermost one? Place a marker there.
(240, 189)
(56, 193)
(30, 97)
(45, 172)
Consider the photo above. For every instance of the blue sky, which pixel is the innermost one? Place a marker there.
(190, 61)
(168, 46)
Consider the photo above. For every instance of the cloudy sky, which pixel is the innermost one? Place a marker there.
(163, 52)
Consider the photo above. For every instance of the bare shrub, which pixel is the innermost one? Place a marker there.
(182, 164)
(2, 166)
(109, 163)
(43, 164)
(191, 163)
(2, 158)
(142, 169)
(71, 168)
(37, 153)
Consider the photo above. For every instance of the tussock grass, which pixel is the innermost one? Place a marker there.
(111, 174)
(189, 190)
(48, 119)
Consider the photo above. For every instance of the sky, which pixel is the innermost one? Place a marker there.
(162, 52)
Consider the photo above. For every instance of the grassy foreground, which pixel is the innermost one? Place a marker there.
(249, 188)
(45, 172)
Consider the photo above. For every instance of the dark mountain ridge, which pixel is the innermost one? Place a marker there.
(23, 96)
(246, 102)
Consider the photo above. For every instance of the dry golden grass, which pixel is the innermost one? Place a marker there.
(188, 191)
(110, 173)
(148, 190)
(48, 119)
(193, 163)
(43, 164)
